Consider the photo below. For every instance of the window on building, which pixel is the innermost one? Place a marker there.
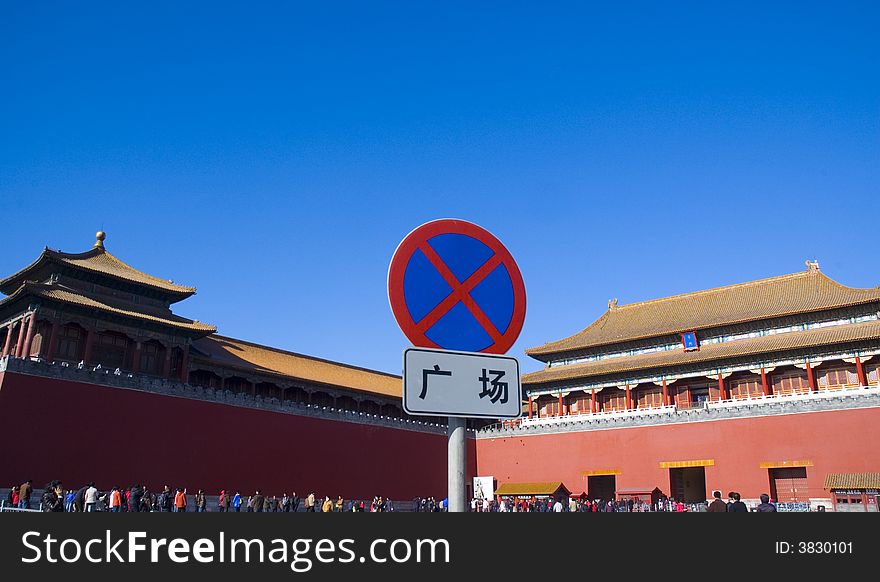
(70, 343)
(152, 358)
(649, 397)
(613, 399)
(680, 395)
(550, 406)
(581, 403)
(237, 385)
(38, 343)
(203, 378)
(836, 377)
(110, 350)
(746, 387)
(176, 362)
(872, 372)
(793, 382)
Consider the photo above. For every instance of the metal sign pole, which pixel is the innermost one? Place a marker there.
(457, 464)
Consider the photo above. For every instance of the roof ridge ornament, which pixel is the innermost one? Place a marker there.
(99, 239)
(612, 303)
(812, 265)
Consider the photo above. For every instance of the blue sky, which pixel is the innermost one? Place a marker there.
(274, 154)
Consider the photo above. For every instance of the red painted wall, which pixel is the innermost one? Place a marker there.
(53, 429)
(836, 441)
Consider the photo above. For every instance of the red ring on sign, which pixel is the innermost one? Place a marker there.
(417, 239)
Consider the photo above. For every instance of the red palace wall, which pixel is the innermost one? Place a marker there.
(76, 432)
(836, 442)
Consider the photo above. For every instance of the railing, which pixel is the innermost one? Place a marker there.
(843, 393)
(6, 508)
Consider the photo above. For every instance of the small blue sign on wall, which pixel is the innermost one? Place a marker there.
(689, 341)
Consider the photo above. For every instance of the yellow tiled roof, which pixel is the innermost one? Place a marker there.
(69, 296)
(709, 352)
(852, 481)
(802, 292)
(101, 261)
(239, 354)
(97, 260)
(538, 488)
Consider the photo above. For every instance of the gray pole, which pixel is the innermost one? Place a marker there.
(457, 464)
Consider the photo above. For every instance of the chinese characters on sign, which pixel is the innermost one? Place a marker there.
(436, 372)
(498, 389)
(689, 341)
(441, 382)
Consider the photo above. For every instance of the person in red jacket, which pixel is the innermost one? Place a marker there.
(115, 500)
(180, 500)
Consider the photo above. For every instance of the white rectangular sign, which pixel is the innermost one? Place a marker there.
(484, 488)
(472, 385)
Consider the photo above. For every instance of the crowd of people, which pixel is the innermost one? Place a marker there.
(734, 504)
(138, 498)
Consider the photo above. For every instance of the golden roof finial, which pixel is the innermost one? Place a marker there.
(99, 239)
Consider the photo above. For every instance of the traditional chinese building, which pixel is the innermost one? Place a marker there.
(101, 381)
(762, 387)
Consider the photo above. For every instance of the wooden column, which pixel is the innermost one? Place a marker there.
(184, 365)
(19, 346)
(594, 407)
(665, 394)
(136, 357)
(811, 378)
(765, 385)
(166, 365)
(530, 407)
(628, 398)
(860, 371)
(10, 329)
(561, 411)
(721, 395)
(53, 341)
(29, 339)
(87, 351)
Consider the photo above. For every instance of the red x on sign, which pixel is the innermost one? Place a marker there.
(453, 285)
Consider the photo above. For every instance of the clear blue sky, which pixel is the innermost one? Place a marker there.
(274, 154)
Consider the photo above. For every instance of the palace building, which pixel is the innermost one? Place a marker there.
(769, 386)
(101, 381)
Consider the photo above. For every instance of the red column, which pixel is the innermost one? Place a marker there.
(665, 394)
(860, 371)
(721, 395)
(184, 365)
(561, 411)
(811, 378)
(593, 406)
(8, 345)
(87, 352)
(530, 407)
(765, 385)
(136, 358)
(29, 339)
(628, 398)
(166, 367)
(19, 346)
(53, 341)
